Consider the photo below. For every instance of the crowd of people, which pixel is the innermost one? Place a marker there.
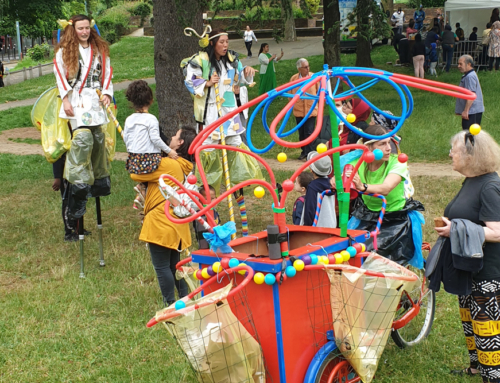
(217, 80)
(428, 39)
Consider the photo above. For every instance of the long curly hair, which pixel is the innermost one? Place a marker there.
(70, 45)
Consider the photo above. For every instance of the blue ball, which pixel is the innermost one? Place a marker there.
(233, 262)
(180, 305)
(290, 271)
(314, 259)
(270, 279)
(378, 154)
(352, 251)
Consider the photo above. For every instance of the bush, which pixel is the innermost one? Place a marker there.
(313, 6)
(38, 52)
(142, 9)
(113, 24)
(227, 5)
(298, 13)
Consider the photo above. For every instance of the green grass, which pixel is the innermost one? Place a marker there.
(58, 328)
(26, 141)
(15, 118)
(132, 58)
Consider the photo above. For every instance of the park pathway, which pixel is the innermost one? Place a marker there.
(8, 145)
(304, 47)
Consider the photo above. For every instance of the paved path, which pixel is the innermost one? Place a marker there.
(8, 145)
(304, 47)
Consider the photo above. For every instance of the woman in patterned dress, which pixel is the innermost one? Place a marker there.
(494, 47)
(478, 158)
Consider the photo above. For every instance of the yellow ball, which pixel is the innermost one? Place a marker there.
(217, 267)
(282, 157)
(321, 148)
(204, 273)
(351, 118)
(345, 255)
(326, 261)
(259, 278)
(242, 272)
(259, 192)
(338, 258)
(194, 275)
(363, 247)
(474, 129)
(298, 265)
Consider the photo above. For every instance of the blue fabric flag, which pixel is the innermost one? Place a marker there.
(417, 220)
(220, 238)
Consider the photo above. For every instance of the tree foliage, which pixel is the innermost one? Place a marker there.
(371, 23)
(36, 18)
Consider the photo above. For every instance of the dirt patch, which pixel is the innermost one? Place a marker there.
(7, 146)
(416, 169)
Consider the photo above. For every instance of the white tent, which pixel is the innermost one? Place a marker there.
(469, 13)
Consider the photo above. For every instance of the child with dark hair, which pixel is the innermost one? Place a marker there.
(198, 227)
(142, 136)
(301, 184)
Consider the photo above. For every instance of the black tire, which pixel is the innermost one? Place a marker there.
(345, 375)
(419, 327)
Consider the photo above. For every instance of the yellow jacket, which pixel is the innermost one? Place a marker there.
(157, 228)
(301, 107)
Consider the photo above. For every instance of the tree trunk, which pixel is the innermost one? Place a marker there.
(331, 42)
(171, 46)
(289, 34)
(363, 46)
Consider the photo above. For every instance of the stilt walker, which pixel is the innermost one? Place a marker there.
(211, 76)
(81, 66)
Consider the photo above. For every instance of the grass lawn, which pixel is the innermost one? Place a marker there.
(56, 327)
(425, 134)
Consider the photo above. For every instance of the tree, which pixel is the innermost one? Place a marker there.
(371, 22)
(289, 33)
(171, 46)
(36, 18)
(331, 27)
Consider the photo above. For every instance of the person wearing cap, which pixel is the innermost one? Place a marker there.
(419, 17)
(321, 169)
(400, 237)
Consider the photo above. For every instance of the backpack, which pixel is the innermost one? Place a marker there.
(301, 199)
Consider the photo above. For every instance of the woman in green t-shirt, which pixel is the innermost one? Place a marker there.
(398, 239)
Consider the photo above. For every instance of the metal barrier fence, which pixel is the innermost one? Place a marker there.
(15, 77)
(472, 48)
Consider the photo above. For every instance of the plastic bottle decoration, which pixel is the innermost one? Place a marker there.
(402, 158)
(217, 267)
(192, 179)
(338, 258)
(242, 272)
(258, 278)
(179, 305)
(345, 255)
(352, 251)
(259, 192)
(233, 262)
(282, 157)
(299, 265)
(351, 118)
(290, 271)
(270, 279)
(378, 154)
(314, 259)
(287, 185)
(474, 129)
(321, 148)
(368, 157)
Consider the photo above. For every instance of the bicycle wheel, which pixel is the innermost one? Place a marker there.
(335, 369)
(420, 326)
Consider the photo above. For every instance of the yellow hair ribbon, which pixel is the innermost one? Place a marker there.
(64, 23)
(92, 23)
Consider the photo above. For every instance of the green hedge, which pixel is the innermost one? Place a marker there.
(113, 24)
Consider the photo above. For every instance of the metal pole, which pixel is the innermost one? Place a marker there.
(81, 237)
(19, 41)
(99, 229)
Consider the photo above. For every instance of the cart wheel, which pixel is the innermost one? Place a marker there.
(335, 369)
(420, 326)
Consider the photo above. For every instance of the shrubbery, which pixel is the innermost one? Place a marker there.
(38, 52)
(113, 24)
